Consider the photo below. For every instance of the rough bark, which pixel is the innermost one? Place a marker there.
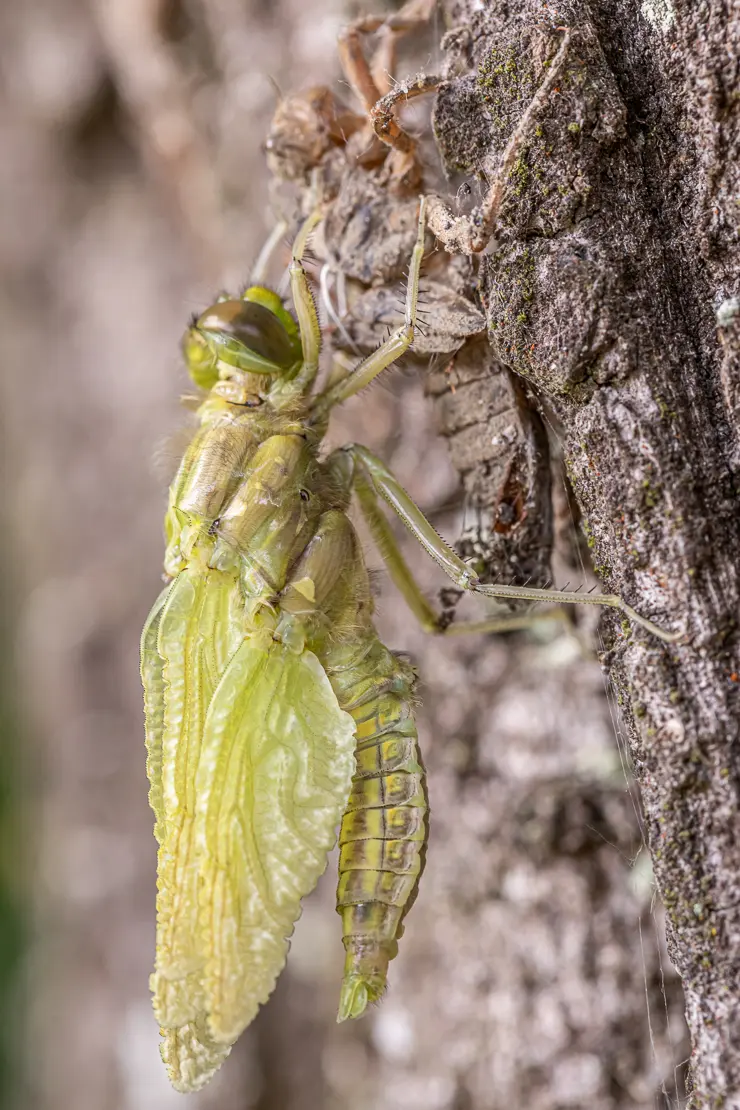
(531, 973)
(610, 290)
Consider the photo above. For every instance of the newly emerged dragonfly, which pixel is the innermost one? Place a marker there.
(274, 714)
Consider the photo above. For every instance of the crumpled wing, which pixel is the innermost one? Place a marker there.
(194, 629)
(152, 677)
(253, 770)
(274, 777)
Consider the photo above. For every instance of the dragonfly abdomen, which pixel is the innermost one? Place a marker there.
(382, 836)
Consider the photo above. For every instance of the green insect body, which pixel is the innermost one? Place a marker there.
(273, 711)
(274, 714)
(383, 829)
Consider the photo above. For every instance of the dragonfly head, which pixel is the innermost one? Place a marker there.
(254, 334)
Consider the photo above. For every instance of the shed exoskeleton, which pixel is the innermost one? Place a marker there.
(274, 714)
(365, 171)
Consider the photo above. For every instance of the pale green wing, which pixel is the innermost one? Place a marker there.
(188, 1052)
(198, 631)
(275, 773)
(152, 677)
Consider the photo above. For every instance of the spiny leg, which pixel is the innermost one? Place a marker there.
(373, 472)
(352, 59)
(382, 114)
(373, 84)
(388, 352)
(304, 304)
(467, 234)
(406, 584)
(472, 233)
(370, 80)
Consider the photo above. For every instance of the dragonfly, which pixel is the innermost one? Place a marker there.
(274, 713)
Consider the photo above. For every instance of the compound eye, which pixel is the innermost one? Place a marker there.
(253, 327)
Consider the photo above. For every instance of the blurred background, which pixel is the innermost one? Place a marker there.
(532, 974)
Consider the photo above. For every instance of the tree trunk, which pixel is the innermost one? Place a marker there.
(611, 288)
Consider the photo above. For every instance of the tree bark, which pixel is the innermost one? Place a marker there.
(611, 288)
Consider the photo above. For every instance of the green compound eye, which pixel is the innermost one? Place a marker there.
(199, 359)
(248, 336)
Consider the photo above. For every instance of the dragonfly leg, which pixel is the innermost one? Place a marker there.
(403, 578)
(370, 80)
(382, 114)
(388, 352)
(373, 480)
(304, 303)
(469, 234)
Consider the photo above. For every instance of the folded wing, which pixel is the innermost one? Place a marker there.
(274, 778)
(250, 763)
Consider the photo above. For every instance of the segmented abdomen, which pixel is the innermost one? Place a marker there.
(383, 831)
